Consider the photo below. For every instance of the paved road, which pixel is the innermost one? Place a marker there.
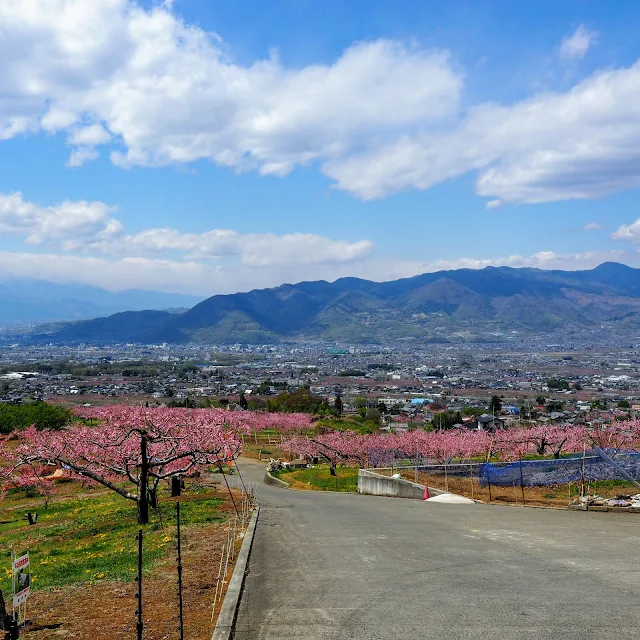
(347, 566)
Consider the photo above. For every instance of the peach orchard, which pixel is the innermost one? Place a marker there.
(131, 450)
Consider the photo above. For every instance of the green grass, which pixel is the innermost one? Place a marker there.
(612, 484)
(320, 479)
(605, 487)
(92, 538)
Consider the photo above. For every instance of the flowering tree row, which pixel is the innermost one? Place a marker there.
(445, 446)
(130, 450)
(120, 446)
(247, 420)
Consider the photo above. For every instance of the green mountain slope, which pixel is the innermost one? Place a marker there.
(463, 304)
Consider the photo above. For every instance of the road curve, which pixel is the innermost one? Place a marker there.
(329, 566)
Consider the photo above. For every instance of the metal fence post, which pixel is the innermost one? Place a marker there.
(139, 624)
(180, 572)
(13, 630)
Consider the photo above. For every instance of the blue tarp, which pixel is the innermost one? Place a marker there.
(537, 473)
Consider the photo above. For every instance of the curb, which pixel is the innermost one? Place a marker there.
(227, 618)
(275, 482)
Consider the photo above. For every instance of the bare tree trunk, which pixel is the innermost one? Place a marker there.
(143, 489)
(556, 453)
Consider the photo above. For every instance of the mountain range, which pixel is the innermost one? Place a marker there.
(459, 305)
(37, 301)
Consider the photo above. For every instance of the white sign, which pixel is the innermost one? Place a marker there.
(21, 580)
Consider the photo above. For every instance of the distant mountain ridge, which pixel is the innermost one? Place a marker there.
(37, 301)
(463, 304)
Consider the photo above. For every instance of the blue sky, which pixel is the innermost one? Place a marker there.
(208, 147)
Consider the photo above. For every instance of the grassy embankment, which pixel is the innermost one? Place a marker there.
(85, 540)
(320, 479)
(265, 445)
(90, 535)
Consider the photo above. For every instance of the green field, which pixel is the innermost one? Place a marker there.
(91, 536)
(320, 479)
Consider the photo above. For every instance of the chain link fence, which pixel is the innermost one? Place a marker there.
(553, 482)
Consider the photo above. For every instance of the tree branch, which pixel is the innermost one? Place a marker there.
(99, 479)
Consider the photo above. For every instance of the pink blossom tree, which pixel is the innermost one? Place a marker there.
(282, 422)
(555, 438)
(346, 447)
(617, 435)
(129, 446)
(459, 444)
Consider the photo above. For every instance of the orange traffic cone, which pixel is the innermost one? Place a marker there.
(427, 495)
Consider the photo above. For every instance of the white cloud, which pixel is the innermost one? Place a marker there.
(78, 221)
(556, 146)
(545, 260)
(628, 232)
(171, 93)
(13, 125)
(592, 226)
(252, 249)
(56, 119)
(381, 118)
(576, 46)
(217, 261)
(207, 279)
(89, 227)
(91, 135)
(114, 275)
(81, 155)
(87, 244)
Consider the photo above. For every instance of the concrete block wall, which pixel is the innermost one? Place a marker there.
(374, 484)
(275, 482)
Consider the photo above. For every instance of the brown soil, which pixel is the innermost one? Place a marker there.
(106, 611)
(262, 450)
(549, 496)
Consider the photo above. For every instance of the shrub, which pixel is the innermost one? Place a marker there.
(43, 415)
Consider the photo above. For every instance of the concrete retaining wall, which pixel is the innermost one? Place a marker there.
(276, 482)
(374, 484)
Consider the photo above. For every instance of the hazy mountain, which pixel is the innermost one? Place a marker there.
(464, 304)
(36, 301)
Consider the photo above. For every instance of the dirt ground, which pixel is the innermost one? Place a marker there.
(263, 449)
(549, 496)
(106, 610)
(534, 496)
